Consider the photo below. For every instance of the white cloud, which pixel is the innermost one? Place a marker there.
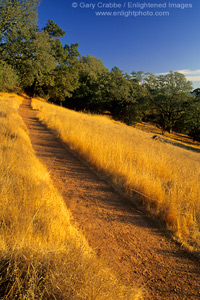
(157, 74)
(189, 72)
(193, 78)
(192, 75)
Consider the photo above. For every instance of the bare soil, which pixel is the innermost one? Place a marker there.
(132, 244)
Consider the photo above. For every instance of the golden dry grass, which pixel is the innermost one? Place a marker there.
(166, 177)
(184, 139)
(42, 255)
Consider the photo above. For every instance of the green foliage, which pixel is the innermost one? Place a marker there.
(53, 29)
(64, 83)
(120, 95)
(101, 90)
(39, 63)
(169, 97)
(8, 78)
(137, 76)
(123, 96)
(39, 58)
(88, 95)
(17, 23)
(196, 93)
(23, 47)
(63, 79)
(92, 66)
(192, 119)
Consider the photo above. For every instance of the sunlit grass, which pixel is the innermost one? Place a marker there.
(165, 177)
(42, 255)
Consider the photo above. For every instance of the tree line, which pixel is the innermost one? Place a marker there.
(36, 62)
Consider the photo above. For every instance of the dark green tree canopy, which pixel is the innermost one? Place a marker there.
(38, 62)
(53, 29)
(137, 76)
(36, 56)
(169, 96)
(196, 93)
(17, 22)
(8, 78)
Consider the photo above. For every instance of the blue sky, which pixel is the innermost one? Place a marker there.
(155, 44)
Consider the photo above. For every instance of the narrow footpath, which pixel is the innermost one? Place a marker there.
(131, 243)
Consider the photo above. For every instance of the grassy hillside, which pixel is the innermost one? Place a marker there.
(164, 177)
(42, 255)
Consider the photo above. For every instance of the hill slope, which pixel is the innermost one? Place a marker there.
(132, 244)
(163, 177)
(42, 254)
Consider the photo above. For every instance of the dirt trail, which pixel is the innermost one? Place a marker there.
(132, 244)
